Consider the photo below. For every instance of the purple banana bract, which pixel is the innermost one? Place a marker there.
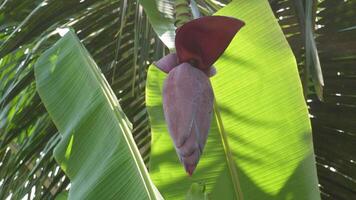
(188, 104)
(188, 97)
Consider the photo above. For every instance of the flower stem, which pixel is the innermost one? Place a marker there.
(228, 154)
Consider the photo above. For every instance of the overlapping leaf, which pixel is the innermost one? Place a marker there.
(96, 149)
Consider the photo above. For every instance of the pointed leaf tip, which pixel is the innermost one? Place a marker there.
(190, 169)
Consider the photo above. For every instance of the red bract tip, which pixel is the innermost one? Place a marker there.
(202, 41)
(190, 169)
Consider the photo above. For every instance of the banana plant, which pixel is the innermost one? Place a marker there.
(121, 41)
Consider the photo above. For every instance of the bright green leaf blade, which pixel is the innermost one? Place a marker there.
(96, 151)
(263, 109)
(259, 94)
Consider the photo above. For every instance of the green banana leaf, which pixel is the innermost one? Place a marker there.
(259, 145)
(97, 150)
(161, 16)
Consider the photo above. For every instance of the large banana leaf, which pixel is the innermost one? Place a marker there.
(97, 150)
(259, 145)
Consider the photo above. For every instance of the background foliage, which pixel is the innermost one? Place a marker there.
(122, 42)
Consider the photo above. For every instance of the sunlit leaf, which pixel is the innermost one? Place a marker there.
(263, 116)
